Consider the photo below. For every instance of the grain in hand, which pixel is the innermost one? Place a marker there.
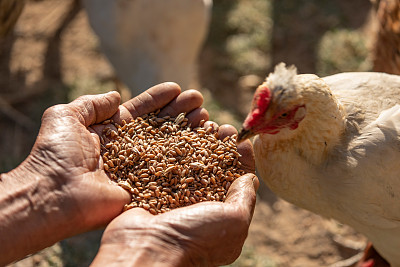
(165, 164)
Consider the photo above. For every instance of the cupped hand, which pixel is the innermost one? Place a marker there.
(203, 234)
(67, 152)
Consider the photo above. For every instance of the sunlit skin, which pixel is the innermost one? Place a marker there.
(61, 190)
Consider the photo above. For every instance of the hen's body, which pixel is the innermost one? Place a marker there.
(343, 160)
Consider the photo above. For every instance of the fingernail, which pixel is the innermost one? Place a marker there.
(256, 183)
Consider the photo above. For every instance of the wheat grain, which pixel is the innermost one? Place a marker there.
(164, 164)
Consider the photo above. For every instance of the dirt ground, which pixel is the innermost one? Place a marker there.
(41, 66)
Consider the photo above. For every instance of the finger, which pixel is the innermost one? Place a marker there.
(195, 116)
(96, 148)
(242, 193)
(98, 129)
(247, 158)
(93, 109)
(226, 130)
(96, 141)
(185, 102)
(135, 216)
(113, 192)
(151, 100)
(214, 126)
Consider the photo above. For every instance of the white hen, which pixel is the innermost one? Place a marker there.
(332, 146)
(151, 41)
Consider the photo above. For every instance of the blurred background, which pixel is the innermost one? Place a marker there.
(61, 49)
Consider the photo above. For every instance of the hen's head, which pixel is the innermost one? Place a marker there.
(277, 105)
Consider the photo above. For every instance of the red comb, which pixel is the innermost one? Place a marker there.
(368, 263)
(260, 104)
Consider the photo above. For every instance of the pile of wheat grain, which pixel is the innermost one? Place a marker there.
(165, 164)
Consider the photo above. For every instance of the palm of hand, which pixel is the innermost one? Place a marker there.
(212, 233)
(208, 232)
(64, 140)
(68, 149)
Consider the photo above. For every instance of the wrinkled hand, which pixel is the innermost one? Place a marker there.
(67, 149)
(203, 234)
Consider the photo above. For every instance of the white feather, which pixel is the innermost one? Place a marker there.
(343, 161)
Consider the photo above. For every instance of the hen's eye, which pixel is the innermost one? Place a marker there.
(283, 115)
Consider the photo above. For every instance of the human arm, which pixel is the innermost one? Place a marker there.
(61, 189)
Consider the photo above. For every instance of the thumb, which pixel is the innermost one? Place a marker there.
(128, 219)
(93, 109)
(242, 193)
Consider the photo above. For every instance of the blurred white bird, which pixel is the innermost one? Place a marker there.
(151, 41)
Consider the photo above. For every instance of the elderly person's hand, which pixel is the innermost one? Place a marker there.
(203, 234)
(61, 189)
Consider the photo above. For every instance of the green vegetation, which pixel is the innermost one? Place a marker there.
(342, 50)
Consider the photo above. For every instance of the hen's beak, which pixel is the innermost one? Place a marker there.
(244, 134)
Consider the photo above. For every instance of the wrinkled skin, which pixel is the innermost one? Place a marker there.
(70, 193)
(68, 147)
(204, 234)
